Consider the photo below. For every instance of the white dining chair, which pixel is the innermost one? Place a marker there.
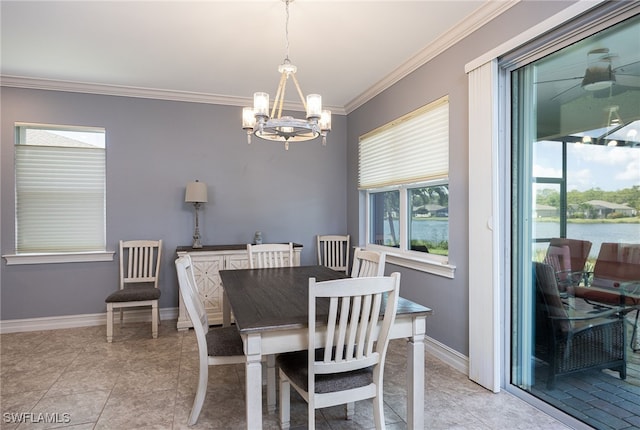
(368, 263)
(347, 365)
(216, 346)
(139, 275)
(333, 251)
(270, 255)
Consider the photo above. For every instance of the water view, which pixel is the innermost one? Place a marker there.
(596, 233)
(436, 230)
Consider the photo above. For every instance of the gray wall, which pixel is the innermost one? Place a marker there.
(153, 149)
(443, 75)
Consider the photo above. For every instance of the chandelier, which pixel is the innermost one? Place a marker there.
(257, 120)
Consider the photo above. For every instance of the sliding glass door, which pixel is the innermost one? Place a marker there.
(575, 287)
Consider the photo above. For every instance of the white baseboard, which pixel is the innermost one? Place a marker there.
(450, 356)
(441, 351)
(74, 321)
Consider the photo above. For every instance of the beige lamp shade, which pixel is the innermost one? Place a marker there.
(196, 192)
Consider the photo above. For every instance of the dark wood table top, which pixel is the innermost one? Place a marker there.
(277, 298)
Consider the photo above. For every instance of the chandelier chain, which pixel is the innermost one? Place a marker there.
(286, 31)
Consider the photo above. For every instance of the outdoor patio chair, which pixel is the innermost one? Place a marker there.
(571, 341)
(568, 257)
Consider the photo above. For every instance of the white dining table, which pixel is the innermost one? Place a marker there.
(270, 310)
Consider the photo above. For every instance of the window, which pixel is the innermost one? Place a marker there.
(403, 169)
(60, 189)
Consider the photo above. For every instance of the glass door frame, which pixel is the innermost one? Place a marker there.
(512, 265)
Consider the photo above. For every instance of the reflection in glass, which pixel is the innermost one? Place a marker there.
(428, 220)
(576, 172)
(384, 212)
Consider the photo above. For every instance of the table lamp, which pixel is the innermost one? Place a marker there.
(196, 193)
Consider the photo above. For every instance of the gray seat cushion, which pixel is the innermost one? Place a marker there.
(224, 342)
(134, 293)
(294, 364)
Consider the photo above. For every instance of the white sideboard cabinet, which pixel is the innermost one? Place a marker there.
(207, 263)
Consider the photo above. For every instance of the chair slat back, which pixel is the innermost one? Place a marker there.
(333, 251)
(190, 297)
(354, 339)
(368, 263)
(547, 288)
(559, 257)
(616, 262)
(578, 250)
(270, 255)
(140, 261)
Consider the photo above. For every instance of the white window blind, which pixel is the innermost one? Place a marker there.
(60, 189)
(413, 148)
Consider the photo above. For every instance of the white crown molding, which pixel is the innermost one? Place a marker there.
(138, 92)
(485, 13)
(119, 90)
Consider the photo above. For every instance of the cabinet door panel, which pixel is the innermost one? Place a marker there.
(206, 271)
(239, 261)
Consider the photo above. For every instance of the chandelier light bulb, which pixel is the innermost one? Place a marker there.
(261, 104)
(325, 120)
(248, 118)
(314, 106)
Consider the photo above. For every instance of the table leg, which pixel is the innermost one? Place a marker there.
(253, 382)
(226, 310)
(415, 375)
(271, 383)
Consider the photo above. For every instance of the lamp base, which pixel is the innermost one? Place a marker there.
(196, 232)
(196, 242)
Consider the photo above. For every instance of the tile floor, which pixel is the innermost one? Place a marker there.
(74, 378)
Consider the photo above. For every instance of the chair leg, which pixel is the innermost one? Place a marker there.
(109, 322)
(378, 411)
(201, 392)
(635, 342)
(271, 383)
(285, 400)
(311, 412)
(154, 319)
(350, 409)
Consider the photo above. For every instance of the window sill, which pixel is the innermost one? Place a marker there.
(417, 262)
(46, 258)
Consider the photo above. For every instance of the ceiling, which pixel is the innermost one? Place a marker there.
(224, 51)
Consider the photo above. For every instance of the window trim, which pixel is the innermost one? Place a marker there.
(53, 255)
(436, 174)
(49, 258)
(429, 263)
